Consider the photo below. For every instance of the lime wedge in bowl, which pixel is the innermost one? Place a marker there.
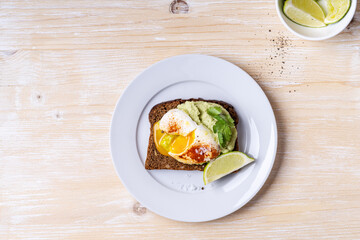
(225, 164)
(337, 10)
(325, 6)
(305, 12)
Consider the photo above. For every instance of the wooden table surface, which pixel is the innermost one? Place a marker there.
(64, 64)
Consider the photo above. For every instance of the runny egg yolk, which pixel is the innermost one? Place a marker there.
(175, 144)
(181, 143)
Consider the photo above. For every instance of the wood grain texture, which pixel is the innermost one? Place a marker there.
(64, 64)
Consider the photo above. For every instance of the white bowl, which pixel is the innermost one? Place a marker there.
(316, 34)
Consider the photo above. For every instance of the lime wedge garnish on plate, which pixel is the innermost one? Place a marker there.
(338, 9)
(225, 164)
(305, 12)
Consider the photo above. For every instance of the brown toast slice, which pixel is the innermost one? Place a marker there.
(154, 159)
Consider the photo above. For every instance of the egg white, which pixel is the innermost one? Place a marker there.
(177, 122)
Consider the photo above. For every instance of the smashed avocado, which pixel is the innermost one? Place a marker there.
(208, 114)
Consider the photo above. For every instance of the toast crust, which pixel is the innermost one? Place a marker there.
(154, 159)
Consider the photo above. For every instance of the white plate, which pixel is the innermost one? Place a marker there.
(181, 195)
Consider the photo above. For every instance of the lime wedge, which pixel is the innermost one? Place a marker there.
(305, 12)
(225, 164)
(325, 6)
(338, 9)
(166, 141)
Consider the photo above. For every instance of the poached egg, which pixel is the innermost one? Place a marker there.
(178, 136)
